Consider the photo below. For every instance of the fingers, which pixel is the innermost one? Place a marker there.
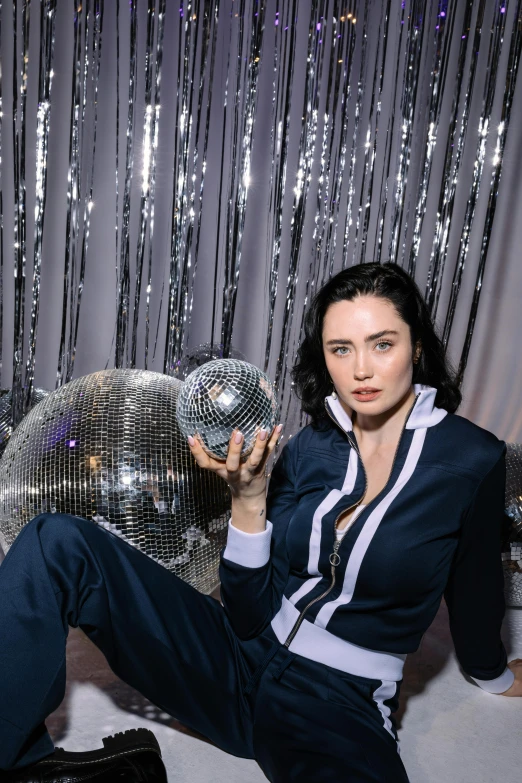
(199, 453)
(273, 440)
(234, 451)
(257, 453)
(263, 446)
(226, 470)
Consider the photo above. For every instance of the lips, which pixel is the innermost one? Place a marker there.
(364, 390)
(366, 396)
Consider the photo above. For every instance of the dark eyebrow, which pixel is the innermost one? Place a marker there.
(366, 339)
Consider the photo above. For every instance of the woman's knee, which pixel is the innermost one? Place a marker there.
(59, 527)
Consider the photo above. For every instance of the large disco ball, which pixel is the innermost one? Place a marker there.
(203, 353)
(512, 544)
(6, 413)
(222, 395)
(107, 447)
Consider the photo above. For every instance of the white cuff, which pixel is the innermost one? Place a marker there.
(499, 684)
(248, 549)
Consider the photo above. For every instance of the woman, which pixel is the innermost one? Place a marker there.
(384, 503)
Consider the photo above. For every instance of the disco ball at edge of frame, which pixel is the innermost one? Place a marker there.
(6, 402)
(512, 543)
(222, 395)
(107, 447)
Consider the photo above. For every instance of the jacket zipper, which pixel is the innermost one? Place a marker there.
(335, 558)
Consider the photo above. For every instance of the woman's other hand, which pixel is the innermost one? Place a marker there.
(516, 689)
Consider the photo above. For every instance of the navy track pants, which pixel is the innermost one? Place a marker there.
(300, 720)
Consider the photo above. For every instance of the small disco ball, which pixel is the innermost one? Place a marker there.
(6, 411)
(512, 544)
(222, 395)
(201, 354)
(107, 447)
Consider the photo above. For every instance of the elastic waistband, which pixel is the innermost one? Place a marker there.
(321, 646)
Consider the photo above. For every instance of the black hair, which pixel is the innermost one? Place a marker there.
(388, 281)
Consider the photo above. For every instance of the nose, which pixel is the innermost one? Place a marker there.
(362, 366)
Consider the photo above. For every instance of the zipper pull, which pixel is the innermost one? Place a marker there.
(334, 557)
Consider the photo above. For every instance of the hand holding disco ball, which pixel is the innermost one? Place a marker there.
(229, 409)
(246, 479)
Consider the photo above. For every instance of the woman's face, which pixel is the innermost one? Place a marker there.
(366, 343)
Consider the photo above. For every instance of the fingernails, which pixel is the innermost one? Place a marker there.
(279, 428)
(262, 434)
(238, 437)
(191, 440)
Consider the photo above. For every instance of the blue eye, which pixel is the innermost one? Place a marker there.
(345, 348)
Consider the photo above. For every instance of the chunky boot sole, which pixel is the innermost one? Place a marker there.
(121, 744)
(132, 755)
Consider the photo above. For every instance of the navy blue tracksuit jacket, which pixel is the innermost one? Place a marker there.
(434, 530)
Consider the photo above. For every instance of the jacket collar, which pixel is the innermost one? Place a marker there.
(423, 414)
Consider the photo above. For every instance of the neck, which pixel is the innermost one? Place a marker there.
(382, 429)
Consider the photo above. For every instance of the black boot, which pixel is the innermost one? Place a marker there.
(132, 756)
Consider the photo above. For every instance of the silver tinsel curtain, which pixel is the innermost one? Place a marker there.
(180, 173)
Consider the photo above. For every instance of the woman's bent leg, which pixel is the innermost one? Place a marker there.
(159, 634)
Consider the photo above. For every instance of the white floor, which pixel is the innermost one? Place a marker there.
(451, 731)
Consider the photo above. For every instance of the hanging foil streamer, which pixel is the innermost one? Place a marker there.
(390, 133)
(72, 195)
(244, 79)
(328, 33)
(88, 27)
(339, 66)
(92, 72)
(116, 183)
(284, 59)
(123, 312)
(333, 153)
(419, 128)
(189, 165)
(154, 134)
(355, 136)
(220, 217)
(341, 36)
(203, 124)
(502, 131)
(333, 162)
(365, 199)
(45, 70)
(348, 35)
(20, 75)
(307, 146)
(302, 184)
(439, 69)
(408, 106)
(495, 48)
(155, 28)
(1, 214)
(453, 156)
